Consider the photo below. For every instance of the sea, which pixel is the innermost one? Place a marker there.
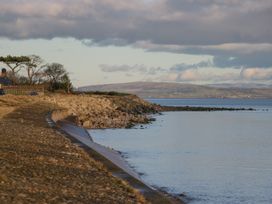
(203, 157)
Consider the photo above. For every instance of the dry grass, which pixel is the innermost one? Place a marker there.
(5, 110)
(39, 165)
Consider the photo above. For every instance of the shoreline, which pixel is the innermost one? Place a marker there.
(201, 109)
(41, 165)
(112, 159)
(41, 146)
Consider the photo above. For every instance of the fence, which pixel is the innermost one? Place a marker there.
(24, 90)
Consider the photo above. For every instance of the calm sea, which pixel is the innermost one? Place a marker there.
(211, 157)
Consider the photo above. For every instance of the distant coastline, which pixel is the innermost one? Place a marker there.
(180, 90)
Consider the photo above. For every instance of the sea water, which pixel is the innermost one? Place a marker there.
(210, 157)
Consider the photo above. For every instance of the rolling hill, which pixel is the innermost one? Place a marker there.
(179, 90)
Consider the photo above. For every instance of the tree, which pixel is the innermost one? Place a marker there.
(34, 68)
(15, 64)
(40, 77)
(66, 83)
(55, 73)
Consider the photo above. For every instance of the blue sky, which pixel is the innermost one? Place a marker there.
(106, 41)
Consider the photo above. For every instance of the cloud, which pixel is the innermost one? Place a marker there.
(235, 32)
(107, 42)
(256, 74)
(208, 75)
(261, 59)
(215, 75)
(196, 77)
(144, 70)
(178, 22)
(123, 68)
(235, 55)
(201, 72)
(141, 69)
(183, 66)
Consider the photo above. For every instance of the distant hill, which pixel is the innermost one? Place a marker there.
(240, 85)
(179, 90)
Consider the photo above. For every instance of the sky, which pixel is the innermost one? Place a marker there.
(114, 41)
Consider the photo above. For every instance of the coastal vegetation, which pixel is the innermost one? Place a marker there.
(32, 70)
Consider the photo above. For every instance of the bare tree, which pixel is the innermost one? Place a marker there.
(66, 83)
(40, 77)
(34, 68)
(14, 63)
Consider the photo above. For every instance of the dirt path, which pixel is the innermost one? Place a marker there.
(5, 110)
(39, 165)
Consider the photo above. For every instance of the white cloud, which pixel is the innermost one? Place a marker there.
(257, 74)
(201, 72)
(137, 68)
(215, 75)
(235, 48)
(211, 75)
(226, 55)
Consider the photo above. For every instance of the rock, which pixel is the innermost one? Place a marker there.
(87, 123)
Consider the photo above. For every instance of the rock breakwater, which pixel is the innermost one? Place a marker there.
(103, 111)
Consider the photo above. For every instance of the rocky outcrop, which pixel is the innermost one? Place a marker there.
(102, 111)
